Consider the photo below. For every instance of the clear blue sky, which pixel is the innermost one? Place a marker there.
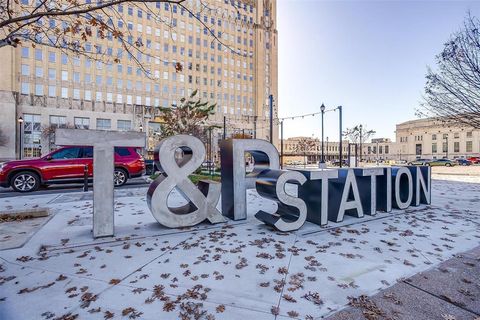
(369, 56)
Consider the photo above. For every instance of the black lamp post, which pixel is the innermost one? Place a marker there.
(281, 144)
(20, 127)
(361, 138)
(322, 109)
(340, 150)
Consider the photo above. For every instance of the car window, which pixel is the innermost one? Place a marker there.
(87, 152)
(122, 151)
(67, 153)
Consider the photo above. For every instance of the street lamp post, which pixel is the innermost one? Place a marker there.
(322, 162)
(224, 127)
(361, 128)
(20, 127)
(270, 102)
(210, 155)
(340, 150)
(281, 144)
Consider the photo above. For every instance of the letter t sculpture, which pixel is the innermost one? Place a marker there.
(103, 143)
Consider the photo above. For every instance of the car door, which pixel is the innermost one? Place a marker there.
(63, 164)
(87, 160)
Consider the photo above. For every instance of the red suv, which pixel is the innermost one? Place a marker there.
(66, 165)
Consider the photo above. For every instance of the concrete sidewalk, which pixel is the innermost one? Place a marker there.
(236, 270)
(450, 291)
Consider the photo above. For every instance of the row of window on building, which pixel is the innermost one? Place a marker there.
(176, 9)
(456, 135)
(140, 86)
(456, 147)
(109, 97)
(32, 130)
(25, 53)
(381, 149)
(32, 123)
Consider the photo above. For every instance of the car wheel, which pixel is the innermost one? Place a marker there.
(119, 177)
(448, 165)
(25, 181)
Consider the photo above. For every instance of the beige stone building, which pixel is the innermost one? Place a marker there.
(46, 87)
(426, 139)
(380, 149)
(300, 150)
(434, 139)
(422, 138)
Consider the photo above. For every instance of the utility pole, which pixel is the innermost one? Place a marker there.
(356, 155)
(361, 127)
(281, 144)
(340, 151)
(322, 161)
(224, 127)
(210, 155)
(349, 155)
(270, 102)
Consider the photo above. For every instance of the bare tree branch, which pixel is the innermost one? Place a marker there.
(69, 25)
(358, 134)
(452, 91)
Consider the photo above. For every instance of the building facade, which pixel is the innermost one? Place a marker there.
(436, 139)
(381, 150)
(308, 150)
(47, 88)
(429, 138)
(415, 139)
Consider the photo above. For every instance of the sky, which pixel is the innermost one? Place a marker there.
(368, 56)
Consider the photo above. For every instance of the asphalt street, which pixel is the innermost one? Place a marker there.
(67, 188)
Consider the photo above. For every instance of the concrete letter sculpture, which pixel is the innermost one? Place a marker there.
(323, 195)
(292, 211)
(103, 143)
(315, 193)
(174, 174)
(235, 180)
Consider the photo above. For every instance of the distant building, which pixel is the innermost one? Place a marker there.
(381, 149)
(300, 150)
(435, 139)
(415, 139)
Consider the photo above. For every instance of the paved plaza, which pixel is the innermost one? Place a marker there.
(50, 268)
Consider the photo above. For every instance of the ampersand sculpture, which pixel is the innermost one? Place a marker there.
(174, 175)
